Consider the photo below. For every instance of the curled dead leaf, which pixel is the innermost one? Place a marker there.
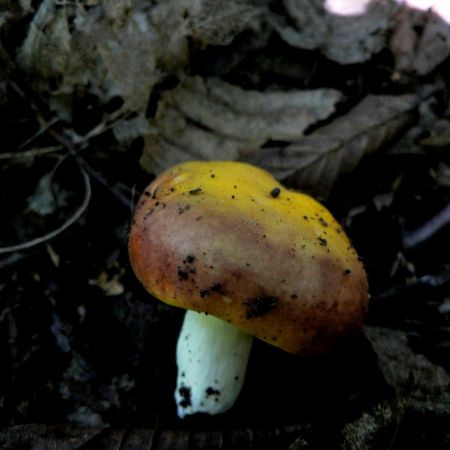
(420, 40)
(344, 39)
(212, 119)
(111, 285)
(409, 373)
(314, 162)
(107, 47)
(120, 49)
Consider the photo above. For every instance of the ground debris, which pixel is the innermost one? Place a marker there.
(314, 162)
(211, 119)
(347, 39)
(354, 109)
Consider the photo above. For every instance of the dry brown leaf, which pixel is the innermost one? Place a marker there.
(419, 385)
(443, 179)
(344, 39)
(437, 134)
(108, 47)
(121, 48)
(62, 437)
(368, 430)
(409, 373)
(218, 22)
(314, 162)
(420, 40)
(110, 285)
(212, 119)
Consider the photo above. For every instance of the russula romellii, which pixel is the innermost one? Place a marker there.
(226, 239)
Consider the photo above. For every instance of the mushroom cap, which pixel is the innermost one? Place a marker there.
(227, 239)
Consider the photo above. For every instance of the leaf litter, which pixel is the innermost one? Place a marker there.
(314, 162)
(212, 119)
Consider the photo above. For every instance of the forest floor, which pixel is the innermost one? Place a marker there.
(87, 355)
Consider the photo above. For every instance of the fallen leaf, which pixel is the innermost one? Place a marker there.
(437, 134)
(420, 404)
(108, 47)
(426, 385)
(314, 162)
(36, 436)
(216, 25)
(369, 430)
(212, 119)
(120, 49)
(43, 200)
(70, 437)
(443, 175)
(344, 39)
(420, 40)
(110, 285)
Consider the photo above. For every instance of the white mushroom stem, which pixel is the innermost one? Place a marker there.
(212, 358)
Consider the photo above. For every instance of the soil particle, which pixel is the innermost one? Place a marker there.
(211, 391)
(185, 393)
(217, 287)
(182, 275)
(182, 209)
(259, 306)
(190, 259)
(275, 192)
(149, 213)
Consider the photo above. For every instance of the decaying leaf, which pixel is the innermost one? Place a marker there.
(344, 39)
(69, 437)
(419, 385)
(443, 176)
(111, 285)
(217, 23)
(212, 119)
(46, 436)
(420, 41)
(437, 135)
(424, 384)
(108, 47)
(314, 162)
(120, 49)
(43, 200)
(368, 431)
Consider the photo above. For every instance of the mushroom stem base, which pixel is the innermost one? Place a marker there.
(212, 358)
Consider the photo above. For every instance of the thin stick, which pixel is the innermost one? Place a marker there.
(31, 153)
(71, 220)
(43, 128)
(421, 234)
(66, 142)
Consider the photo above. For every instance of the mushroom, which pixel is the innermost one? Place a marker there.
(247, 258)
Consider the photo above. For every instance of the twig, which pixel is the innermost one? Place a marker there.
(70, 147)
(31, 153)
(42, 129)
(424, 232)
(122, 199)
(71, 220)
(10, 260)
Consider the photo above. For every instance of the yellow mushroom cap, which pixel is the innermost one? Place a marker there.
(227, 239)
